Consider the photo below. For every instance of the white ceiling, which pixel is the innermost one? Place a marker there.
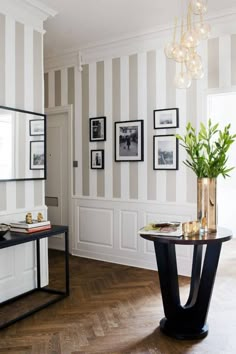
(82, 23)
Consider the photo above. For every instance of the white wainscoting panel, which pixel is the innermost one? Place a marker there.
(128, 230)
(96, 226)
(107, 230)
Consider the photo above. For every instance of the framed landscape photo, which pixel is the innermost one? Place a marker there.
(36, 127)
(97, 129)
(166, 118)
(37, 155)
(129, 140)
(97, 159)
(165, 152)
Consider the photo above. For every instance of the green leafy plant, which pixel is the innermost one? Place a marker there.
(207, 150)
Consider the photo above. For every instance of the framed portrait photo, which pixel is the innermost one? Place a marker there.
(129, 140)
(166, 118)
(97, 129)
(37, 127)
(165, 152)
(37, 155)
(97, 159)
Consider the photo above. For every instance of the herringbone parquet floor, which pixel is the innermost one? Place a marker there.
(116, 309)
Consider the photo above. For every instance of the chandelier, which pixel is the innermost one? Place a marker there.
(193, 29)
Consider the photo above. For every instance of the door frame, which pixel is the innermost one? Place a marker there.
(50, 112)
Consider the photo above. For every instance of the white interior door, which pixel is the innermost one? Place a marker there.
(56, 187)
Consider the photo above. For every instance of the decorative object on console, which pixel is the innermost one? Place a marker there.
(34, 226)
(165, 152)
(208, 156)
(166, 118)
(40, 217)
(184, 51)
(129, 140)
(97, 159)
(97, 129)
(28, 218)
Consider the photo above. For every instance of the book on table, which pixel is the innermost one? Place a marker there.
(165, 229)
(30, 230)
(24, 225)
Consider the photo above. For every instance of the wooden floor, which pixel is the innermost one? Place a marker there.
(117, 309)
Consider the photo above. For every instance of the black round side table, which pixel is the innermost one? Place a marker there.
(188, 321)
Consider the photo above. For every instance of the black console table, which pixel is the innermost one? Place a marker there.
(189, 321)
(12, 239)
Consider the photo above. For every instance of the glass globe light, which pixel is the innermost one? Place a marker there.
(169, 49)
(199, 6)
(180, 53)
(190, 39)
(194, 63)
(183, 80)
(202, 30)
(197, 74)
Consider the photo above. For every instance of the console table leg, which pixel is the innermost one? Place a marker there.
(67, 264)
(38, 264)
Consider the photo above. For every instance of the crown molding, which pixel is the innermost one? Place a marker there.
(65, 60)
(222, 22)
(28, 12)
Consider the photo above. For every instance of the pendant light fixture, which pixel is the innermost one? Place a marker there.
(184, 51)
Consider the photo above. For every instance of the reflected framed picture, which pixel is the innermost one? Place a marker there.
(166, 118)
(165, 152)
(129, 140)
(97, 159)
(37, 155)
(97, 129)
(36, 127)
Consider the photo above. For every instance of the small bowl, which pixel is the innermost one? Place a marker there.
(3, 229)
(191, 228)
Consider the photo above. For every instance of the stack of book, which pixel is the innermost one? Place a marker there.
(23, 227)
(165, 229)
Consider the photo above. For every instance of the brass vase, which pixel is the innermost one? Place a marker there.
(206, 204)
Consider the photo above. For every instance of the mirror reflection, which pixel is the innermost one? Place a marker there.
(22, 144)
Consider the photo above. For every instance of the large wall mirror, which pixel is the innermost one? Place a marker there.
(22, 145)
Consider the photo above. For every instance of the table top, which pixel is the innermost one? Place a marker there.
(13, 238)
(221, 235)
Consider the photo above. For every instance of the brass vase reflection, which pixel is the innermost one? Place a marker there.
(206, 203)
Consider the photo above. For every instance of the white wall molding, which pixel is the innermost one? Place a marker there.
(108, 231)
(64, 60)
(29, 12)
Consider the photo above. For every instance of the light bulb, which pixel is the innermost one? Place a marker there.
(202, 29)
(180, 53)
(199, 7)
(169, 49)
(194, 63)
(183, 80)
(190, 39)
(197, 74)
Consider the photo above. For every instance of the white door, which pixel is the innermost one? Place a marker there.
(56, 186)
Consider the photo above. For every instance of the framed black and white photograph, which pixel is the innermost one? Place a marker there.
(129, 140)
(97, 129)
(165, 152)
(166, 118)
(36, 127)
(97, 159)
(37, 155)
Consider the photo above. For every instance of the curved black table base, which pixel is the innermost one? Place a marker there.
(188, 321)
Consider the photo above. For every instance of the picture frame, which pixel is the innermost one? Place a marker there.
(166, 118)
(97, 159)
(165, 152)
(37, 155)
(129, 140)
(97, 129)
(37, 127)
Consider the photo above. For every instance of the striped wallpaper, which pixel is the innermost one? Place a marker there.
(21, 86)
(130, 88)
